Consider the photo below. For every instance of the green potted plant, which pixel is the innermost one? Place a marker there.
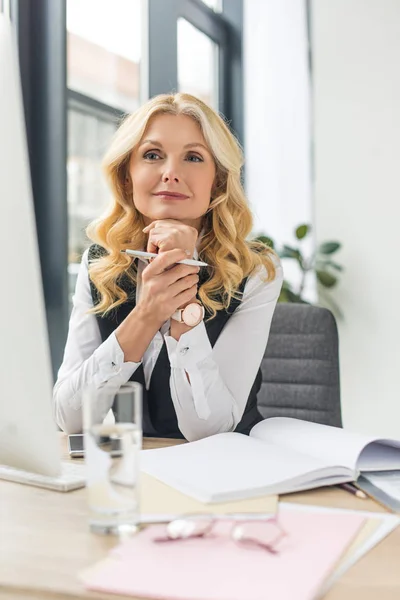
(320, 262)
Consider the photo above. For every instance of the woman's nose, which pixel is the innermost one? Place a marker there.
(169, 176)
(171, 172)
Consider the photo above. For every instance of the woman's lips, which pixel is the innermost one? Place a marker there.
(171, 196)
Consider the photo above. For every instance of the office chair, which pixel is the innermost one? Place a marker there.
(300, 368)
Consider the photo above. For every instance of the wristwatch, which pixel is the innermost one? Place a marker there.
(191, 315)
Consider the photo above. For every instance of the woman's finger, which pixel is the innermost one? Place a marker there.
(149, 227)
(186, 295)
(160, 245)
(152, 246)
(158, 237)
(163, 261)
(155, 237)
(183, 284)
(175, 272)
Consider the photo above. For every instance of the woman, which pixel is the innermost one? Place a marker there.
(174, 170)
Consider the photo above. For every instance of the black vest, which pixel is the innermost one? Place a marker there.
(159, 416)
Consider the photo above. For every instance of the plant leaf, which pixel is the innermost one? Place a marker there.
(302, 231)
(289, 252)
(286, 292)
(329, 263)
(288, 295)
(325, 278)
(283, 297)
(286, 285)
(329, 247)
(264, 239)
(296, 298)
(335, 266)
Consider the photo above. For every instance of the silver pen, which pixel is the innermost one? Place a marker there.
(147, 255)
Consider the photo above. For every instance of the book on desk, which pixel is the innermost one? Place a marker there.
(281, 455)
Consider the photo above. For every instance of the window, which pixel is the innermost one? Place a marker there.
(103, 78)
(197, 63)
(119, 52)
(89, 134)
(214, 4)
(5, 7)
(104, 50)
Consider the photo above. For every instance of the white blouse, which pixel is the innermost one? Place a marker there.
(220, 377)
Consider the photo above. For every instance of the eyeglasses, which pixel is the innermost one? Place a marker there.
(264, 533)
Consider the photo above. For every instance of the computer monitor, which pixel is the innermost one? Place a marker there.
(28, 434)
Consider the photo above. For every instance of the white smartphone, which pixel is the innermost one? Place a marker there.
(145, 256)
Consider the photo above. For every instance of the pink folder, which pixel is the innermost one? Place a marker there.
(216, 568)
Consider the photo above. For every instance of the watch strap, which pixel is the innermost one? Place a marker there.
(177, 316)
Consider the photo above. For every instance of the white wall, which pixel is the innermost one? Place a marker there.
(277, 122)
(277, 112)
(356, 55)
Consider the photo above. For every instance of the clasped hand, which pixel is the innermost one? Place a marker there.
(169, 234)
(167, 286)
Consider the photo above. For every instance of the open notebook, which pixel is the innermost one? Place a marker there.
(281, 455)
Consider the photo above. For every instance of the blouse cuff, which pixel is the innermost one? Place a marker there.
(192, 348)
(186, 355)
(110, 360)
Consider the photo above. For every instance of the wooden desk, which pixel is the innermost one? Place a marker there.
(45, 542)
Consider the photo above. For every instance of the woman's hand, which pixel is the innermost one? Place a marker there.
(169, 234)
(166, 286)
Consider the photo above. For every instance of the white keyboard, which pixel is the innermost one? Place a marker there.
(72, 477)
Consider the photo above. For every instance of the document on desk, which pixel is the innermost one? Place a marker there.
(280, 455)
(217, 568)
(375, 528)
(382, 486)
(387, 481)
(161, 503)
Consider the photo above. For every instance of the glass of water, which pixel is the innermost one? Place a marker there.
(113, 441)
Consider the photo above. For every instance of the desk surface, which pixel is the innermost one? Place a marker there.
(45, 542)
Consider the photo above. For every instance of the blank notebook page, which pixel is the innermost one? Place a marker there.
(215, 568)
(229, 464)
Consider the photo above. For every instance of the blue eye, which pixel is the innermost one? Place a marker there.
(150, 155)
(195, 156)
(154, 156)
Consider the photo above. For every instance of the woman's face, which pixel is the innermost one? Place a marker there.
(172, 158)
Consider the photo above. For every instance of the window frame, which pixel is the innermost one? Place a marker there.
(41, 36)
(225, 28)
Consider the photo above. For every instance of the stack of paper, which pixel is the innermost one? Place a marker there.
(160, 502)
(375, 528)
(382, 486)
(216, 568)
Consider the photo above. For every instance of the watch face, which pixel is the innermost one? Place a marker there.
(192, 314)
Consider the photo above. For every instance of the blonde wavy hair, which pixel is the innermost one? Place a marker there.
(226, 224)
